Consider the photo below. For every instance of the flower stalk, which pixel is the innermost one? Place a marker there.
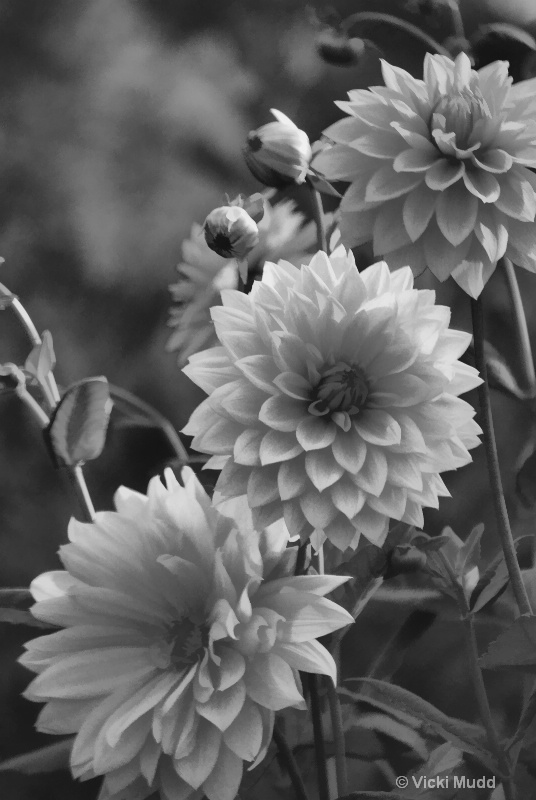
(318, 216)
(394, 22)
(338, 739)
(291, 766)
(486, 421)
(522, 331)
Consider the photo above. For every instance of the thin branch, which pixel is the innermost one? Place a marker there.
(288, 759)
(394, 22)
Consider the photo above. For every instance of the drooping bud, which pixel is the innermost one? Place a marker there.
(335, 47)
(231, 232)
(278, 153)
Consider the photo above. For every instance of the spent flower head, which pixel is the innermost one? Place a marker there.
(439, 169)
(278, 153)
(184, 631)
(333, 399)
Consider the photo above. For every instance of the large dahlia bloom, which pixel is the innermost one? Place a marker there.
(183, 634)
(203, 274)
(333, 398)
(439, 169)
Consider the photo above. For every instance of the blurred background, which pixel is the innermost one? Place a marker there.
(121, 123)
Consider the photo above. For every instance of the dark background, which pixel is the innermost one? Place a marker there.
(121, 123)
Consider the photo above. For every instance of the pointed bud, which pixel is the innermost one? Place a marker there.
(231, 232)
(278, 153)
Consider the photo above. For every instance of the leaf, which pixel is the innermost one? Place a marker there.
(41, 360)
(467, 737)
(401, 732)
(490, 586)
(52, 758)
(515, 648)
(499, 374)
(367, 568)
(77, 431)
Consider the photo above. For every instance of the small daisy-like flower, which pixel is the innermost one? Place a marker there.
(439, 169)
(333, 400)
(278, 153)
(203, 273)
(184, 631)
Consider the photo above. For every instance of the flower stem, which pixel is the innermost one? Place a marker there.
(486, 421)
(290, 763)
(318, 214)
(338, 739)
(401, 24)
(483, 702)
(155, 416)
(318, 734)
(457, 20)
(522, 332)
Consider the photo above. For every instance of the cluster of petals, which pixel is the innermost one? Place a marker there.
(203, 273)
(333, 398)
(183, 633)
(439, 169)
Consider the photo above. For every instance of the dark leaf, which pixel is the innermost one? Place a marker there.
(77, 431)
(41, 360)
(499, 374)
(462, 734)
(515, 648)
(367, 568)
(490, 586)
(52, 758)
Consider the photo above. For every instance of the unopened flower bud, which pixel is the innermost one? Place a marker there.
(278, 153)
(231, 232)
(335, 47)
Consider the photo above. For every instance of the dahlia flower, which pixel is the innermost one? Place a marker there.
(439, 169)
(203, 273)
(333, 398)
(278, 153)
(183, 634)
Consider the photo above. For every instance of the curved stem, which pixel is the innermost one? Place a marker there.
(522, 332)
(318, 214)
(338, 739)
(155, 416)
(318, 735)
(290, 763)
(486, 421)
(401, 24)
(457, 20)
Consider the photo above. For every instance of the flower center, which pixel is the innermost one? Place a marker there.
(461, 110)
(254, 142)
(188, 640)
(342, 388)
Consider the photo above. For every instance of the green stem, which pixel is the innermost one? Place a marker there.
(401, 24)
(522, 332)
(457, 20)
(287, 757)
(338, 739)
(318, 215)
(318, 735)
(486, 421)
(483, 703)
(156, 417)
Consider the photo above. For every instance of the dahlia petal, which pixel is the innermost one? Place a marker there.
(63, 716)
(400, 390)
(380, 144)
(233, 479)
(491, 233)
(391, 502)
(247, 446)
(231, 669)
(495, 160)
(291, 479)
(482, 184)
(405, 472)
(315, 433)
(522, 244)
(373, 474)
(294, 518)
(172, 786)
(415, 160)
(342, 533)
(262, 485)
(456, 213)
(441, 256)
(349, 450)
(473, 272)
(317, 508)
(308, 657)
(341, 162)
(270, 682)
(378, 427)
(314, 584)
(264, 516)
(244, 736)
(195, 768)
(322, 468)
(372, 525)
(278, 446)
(418, 210)
(293, 385)
(53, 584)
(224, 781)
(415, 140)
(347, 498)
(259, 370)
(356, 228)
(443, 174)
(387, 184)
(282, 413)
(243, 402)
(389, 232)
(517, 198)
(308, 617)
(355, 198)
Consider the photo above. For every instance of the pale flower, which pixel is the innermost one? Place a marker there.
(184, 631)
(439, 169)
(278, 153)
(203, 273)
(333, 400)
